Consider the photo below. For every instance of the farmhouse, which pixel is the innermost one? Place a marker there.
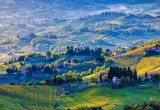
(119, 52)
(155, 49)
(115, 80)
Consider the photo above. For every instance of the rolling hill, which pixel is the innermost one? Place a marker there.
(109, 24)
(136, 59)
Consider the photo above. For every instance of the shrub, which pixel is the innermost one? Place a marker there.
(75, 60)
(124, 81)
(148, 108)
(105, 78)
(91, 108)
(30, 83)
(93, 80)
(154, 104)
(120, 85)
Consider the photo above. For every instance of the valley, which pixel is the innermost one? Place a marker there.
(97, 25)
(79, 55)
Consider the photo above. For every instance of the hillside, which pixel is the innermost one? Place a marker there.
(69, 80)
(88, 66)
(79, 54)
(136, 59)
(108, 24)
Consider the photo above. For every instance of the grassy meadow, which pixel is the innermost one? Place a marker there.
(108, 98)
(43, 97)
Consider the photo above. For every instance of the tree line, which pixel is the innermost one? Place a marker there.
(84, 51)
(70, 77)
(119, 72)
(48, 69)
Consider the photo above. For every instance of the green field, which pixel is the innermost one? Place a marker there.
(43, 97)
(26, 97)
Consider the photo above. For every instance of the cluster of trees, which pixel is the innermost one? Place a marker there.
(28, 37)
(70, 77)
(64, 78)
(34, 56)
(90, 108)
(24, 58)
(119, 72)
(97, 52)
(86, 73)
(50, 36)
(92, 71)
(100, 59)
(154, 104)
(151, 77)
(11, 70)
(84, 51)
(48, 69)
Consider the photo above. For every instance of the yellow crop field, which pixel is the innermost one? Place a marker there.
(147, 64)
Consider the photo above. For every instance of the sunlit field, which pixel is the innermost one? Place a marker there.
(44, 97)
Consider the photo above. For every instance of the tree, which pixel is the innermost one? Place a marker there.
(124, 81)
(33, 68)
(21, 58)
(139, 79)
(135, 75)
(26, 57)
(100, 77)
(48, 70)
(70, 50)
(100, 59)
(130, 73)
(69, 61)
(92, 80)
(105, 78)
(75, 60)
(48, 54)
(59, 79)
(146, 74)
(11, 70)
(90, 71)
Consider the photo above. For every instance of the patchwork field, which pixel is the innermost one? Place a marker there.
(26, 97)
(43, 97)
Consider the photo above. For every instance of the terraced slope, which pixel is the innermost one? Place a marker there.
(136, 59)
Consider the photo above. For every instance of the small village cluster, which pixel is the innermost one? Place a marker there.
(155, 49)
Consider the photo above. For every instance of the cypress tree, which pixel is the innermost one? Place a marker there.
(135, 75)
